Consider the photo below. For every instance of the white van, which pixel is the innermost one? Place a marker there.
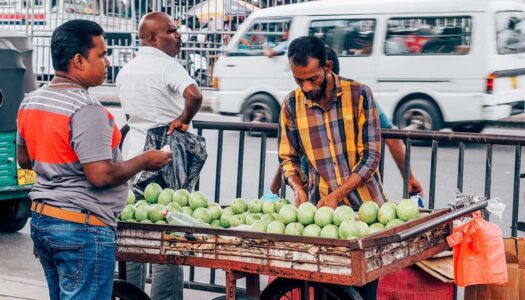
(431, 64)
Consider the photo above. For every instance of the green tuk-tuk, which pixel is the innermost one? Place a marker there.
(16, 78)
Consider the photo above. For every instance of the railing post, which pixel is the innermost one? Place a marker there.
(407, 167)
(461, 165)
(262, 164)
(516, 192)
(433, 170)
(240, 164)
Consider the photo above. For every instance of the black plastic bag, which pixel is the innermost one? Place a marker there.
(189, 156)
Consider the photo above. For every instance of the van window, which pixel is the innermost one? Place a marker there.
(428, 36)
(346, 37)
(510, 32)
(264, 34)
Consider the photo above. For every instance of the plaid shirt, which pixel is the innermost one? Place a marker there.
(341, 140)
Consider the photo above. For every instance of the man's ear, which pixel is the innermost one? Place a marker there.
(78, 62)
(328, 66)
(153, 38)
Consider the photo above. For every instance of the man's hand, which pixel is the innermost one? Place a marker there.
(300, 196)
(328, 201)
(275, 186)
(156, 159)
(177, 124)
(414, 186)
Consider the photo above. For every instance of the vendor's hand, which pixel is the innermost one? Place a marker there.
(156, 159)
(177, 124)
(414, 186)
(300, 196)
(328, 201)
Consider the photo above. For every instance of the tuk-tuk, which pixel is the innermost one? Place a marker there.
(16, 79)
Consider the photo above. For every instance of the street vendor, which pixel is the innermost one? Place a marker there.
(71, 142)
(333, 121)
(155, 90)
(396, 146)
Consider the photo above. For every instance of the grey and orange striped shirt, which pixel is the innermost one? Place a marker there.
(62, 130)
(341, 140)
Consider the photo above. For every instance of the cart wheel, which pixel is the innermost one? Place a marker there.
(124, 290)
(282, 288)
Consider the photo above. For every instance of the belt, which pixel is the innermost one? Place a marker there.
(66, 215)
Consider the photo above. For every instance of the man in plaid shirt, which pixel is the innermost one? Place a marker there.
(333, 121)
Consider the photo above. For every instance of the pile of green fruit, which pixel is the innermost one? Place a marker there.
(341, 223)
(157, 201)
(280, 217)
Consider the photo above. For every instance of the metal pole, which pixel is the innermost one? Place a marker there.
(433, 169)
(516, 194)
(407, 167)
(262, 164)
(461, 165)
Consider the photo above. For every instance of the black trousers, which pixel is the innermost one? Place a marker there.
(369, 291)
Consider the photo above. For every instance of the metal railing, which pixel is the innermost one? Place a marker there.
(409, 137)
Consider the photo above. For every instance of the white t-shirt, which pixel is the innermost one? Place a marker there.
(151, 88)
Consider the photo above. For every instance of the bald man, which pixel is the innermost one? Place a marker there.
(155, 90)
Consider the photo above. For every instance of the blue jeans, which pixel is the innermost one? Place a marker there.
(78, 259)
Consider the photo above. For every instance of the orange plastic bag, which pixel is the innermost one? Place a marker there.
(478, 252)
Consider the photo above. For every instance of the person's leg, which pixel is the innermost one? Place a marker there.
(45, 257)
(167, 282)
(136, 274)
(84, 257)
(104, 263)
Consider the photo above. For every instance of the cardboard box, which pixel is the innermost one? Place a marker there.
(514, 289)
(439, 267)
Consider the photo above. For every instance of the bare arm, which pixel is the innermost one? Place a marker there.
(275, 186)
(107, 173)
(397, 148)
(192, 103)
(24, 161)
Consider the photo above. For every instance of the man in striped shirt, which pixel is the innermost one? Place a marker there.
(333, 121)
(72, 143)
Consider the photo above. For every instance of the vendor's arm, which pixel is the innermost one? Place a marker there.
(289, 152)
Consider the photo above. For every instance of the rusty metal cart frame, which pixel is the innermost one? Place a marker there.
(244, 254)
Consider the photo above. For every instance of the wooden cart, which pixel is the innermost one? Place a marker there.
(326, 264)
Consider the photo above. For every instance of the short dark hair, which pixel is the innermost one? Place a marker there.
(306, 47)
(70, 38)
(331, 55)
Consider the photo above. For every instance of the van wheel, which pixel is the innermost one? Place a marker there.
(418, 114)
(261, 108)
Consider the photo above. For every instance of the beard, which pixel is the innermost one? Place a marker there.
(316, 95)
